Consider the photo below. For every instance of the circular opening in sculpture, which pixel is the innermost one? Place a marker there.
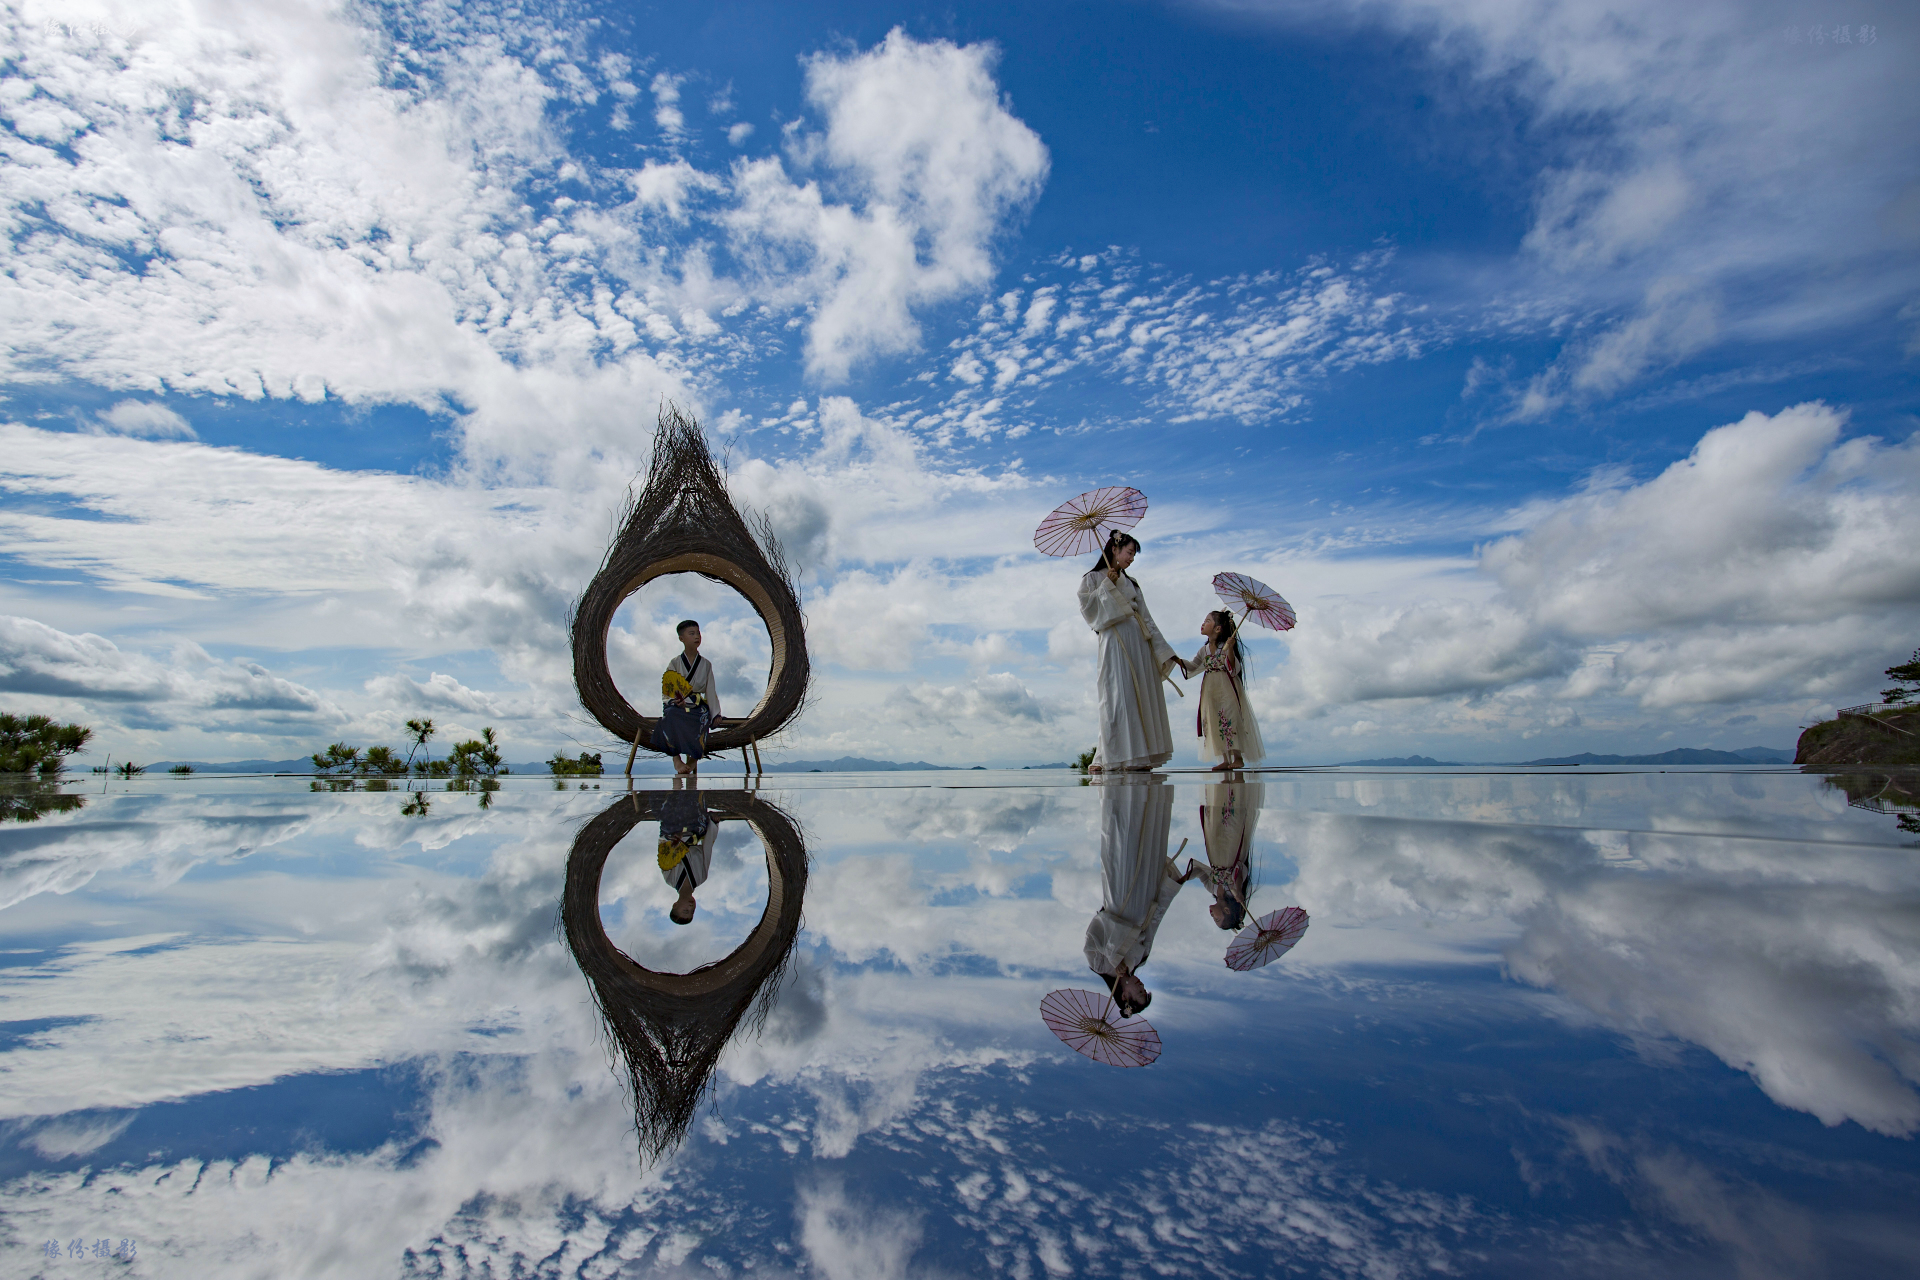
(643, 639)
(730, 900)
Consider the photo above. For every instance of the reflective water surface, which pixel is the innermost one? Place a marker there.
(1585, 1023)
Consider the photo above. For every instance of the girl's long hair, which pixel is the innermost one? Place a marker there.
(1116, 540)
(1230, 635)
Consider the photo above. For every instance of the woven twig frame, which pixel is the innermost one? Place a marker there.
(682, 521)
(669, 1028)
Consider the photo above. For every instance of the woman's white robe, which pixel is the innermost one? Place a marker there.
(1134, 657)
(1137, 879)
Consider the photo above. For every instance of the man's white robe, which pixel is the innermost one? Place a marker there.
(1134, 657)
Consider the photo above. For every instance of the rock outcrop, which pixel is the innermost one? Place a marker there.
(1849, 740)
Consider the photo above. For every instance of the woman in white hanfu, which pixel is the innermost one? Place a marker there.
(1137, 883)
(1134, 658)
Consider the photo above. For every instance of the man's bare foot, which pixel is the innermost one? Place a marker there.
(1222, 767)
(1096, 768)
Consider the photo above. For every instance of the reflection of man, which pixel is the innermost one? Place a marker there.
(1137, 883)
(686, 848)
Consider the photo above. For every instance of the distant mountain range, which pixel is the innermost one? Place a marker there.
(861, 764)
(1679, 755)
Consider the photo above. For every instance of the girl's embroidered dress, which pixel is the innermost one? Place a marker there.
(1224, 719)
(1134, 656)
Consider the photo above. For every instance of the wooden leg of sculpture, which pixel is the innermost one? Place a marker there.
(636, 749)
(755, 744)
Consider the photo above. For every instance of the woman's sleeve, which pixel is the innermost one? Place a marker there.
(1101, 602)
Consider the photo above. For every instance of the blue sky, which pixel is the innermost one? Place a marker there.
(1555, 362)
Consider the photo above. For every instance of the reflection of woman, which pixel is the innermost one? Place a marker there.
(1227, 819)
(1134, 657)
(1137, 883)
(670, 1028)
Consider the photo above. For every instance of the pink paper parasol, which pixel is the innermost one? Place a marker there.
(1267, 939)
(1255, 599)
(1077, 527)
(1087, 1023)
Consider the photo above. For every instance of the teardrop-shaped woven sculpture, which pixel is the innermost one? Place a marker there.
(682, 521)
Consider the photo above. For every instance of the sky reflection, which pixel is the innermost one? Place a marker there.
(1629, 1023)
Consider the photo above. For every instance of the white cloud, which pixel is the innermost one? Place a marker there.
(142, 418)
(1688, 189)
(1769, 564)
(392, 216)
(1246, 348)
(666, 104)
(37, 660)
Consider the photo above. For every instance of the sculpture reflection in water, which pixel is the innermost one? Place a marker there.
(668, 1029)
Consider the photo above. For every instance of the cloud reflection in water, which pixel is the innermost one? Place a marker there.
(1381, 1103)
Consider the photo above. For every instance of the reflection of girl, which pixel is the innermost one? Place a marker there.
(1137, 884)
(1134, 657)
(1224, 720)
(1227, 819)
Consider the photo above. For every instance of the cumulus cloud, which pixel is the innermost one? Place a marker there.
(36, 659)
(1769, 563)
(931, 163)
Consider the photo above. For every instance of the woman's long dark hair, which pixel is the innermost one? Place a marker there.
(1115, 541)
(1230, 635)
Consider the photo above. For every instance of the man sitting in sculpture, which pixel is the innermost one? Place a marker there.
(690, 703)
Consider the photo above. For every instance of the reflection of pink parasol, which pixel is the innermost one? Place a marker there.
(1077, 527)
(1267, 939)
(1086, 1022)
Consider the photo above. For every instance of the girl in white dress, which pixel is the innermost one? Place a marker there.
(1134, 658)
(1224, 719)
